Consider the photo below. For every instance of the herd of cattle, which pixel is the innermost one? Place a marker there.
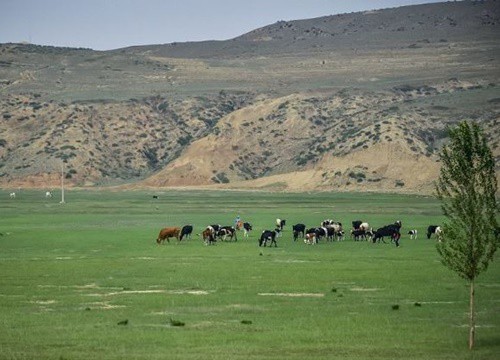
(328, 230)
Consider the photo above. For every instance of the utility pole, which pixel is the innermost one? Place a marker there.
(62, 184)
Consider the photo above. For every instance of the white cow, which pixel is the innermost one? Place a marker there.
(12, 195)
(48, 194)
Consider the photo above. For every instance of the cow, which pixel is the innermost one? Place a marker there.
(238, 225)
(48, 194)
(361, 225)
(389, 230)
(214, 228)
(269, 236)
(280, 224)
(12, 195)
(208, 236)
(298, 229)
(226, 231)
(335, 231)
(156, 197)
(327, 222)
(311, 237)
(356, 224)
(434, 229)
(361, 234)
(186, 231)
(247, 227)
(167, 233)
(413, 234)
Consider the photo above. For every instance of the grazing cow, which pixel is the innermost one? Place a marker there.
(247, 227)
(12, 195)
(186, 231)
(434, 229)
(48, 194)
(167, 233)
(335, 231)
(413, 234)
(361, 234)
(280, 224)
(208, 236)
(269, 236)
(298, 229)
(156, 197)
(226, 231)
(389, 230)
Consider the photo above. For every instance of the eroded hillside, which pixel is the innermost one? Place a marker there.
(350, 101)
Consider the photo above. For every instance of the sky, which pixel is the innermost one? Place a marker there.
(113, 24)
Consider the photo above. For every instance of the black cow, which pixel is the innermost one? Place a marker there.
(356, 224)
(361, 234)
(156, 197)
(389, 230)
(187, 230)
(297, 230)
(269, 236)
(247, 227)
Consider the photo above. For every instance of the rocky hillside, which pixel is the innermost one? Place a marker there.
(357, 101)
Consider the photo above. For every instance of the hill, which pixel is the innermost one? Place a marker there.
(356, 101)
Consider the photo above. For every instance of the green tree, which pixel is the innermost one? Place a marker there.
(467, 189)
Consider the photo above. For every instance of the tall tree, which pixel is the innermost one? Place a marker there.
(467, 189)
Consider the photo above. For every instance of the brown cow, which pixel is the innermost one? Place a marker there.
(167, 233)
(208, 236)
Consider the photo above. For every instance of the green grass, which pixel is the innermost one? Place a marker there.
(86, 279)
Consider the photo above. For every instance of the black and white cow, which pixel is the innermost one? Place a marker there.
(434, 229)
(227, 231)
(247, 227)
(280, 223)
(298, 229)
(361, 234)
(413, 234)
(186, 231)
(335, 231)
(389, 230)
(269, 236)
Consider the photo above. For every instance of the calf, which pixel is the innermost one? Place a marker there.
(269, 236)
(311, 237)
(280, 224)
(167, 233)
(413, 234)
(298, 229)
(186, 231)
(247, 227)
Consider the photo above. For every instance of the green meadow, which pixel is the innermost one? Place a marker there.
(86, 280)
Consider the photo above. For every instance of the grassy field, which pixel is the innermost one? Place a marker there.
(86, 280)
